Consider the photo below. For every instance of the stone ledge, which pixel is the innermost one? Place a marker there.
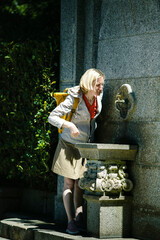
(102, 151)
(4, 238)
(29, 228)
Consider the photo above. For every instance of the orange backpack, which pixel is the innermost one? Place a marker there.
(60, 97)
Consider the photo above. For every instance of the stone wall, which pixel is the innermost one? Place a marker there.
(122, 38)
(129, 52)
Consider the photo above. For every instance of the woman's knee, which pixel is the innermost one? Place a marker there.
(68, 184)
(76, 184)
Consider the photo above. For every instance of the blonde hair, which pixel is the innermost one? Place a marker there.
(89, 78)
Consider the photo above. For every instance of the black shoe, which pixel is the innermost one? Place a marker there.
(72, 228)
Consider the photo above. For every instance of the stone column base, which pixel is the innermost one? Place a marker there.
(108, 217)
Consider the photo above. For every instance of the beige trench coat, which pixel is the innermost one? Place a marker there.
(67, 161)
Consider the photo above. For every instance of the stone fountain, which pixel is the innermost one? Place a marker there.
(106, 182)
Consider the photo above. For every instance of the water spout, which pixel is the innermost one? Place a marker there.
(125, 101)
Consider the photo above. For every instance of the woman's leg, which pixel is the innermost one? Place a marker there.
(78, 201)
(68, 197)
(68, 204)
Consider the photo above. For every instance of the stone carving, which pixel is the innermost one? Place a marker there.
(106, 178)
(125, 101)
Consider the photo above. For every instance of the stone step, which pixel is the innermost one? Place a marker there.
(30, 228)
(1, 238)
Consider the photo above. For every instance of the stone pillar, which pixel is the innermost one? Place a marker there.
(71, 42)
(71, 67)
(92, 27)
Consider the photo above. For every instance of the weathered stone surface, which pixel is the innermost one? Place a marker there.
(125, 18)
(67, 75)
(107, 151)
(68, 22)
(4, 238)
(146, 204)
(28, 228)
(147, 99)
(144, 134)
(14, 229)
(93, 20)
(72, 43)
(146, 190)
(130, 57)
(145, 224)
(129, 39)
(108, 218)
(89, 28)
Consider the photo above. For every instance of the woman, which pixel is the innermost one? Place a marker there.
(67, 161)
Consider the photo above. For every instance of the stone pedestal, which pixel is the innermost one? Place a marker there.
(108, 217)
(106, 183)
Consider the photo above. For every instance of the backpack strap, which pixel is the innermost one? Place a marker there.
(69, 116)
(75, 104)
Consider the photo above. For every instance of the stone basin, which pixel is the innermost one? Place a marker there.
(106, 167)
(101, 151)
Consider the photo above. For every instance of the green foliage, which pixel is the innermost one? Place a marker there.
(28, 76)
(33, 19)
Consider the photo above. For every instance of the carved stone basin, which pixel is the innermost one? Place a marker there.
(98, 151)
(106, 167)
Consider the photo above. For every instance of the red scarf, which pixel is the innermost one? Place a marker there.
(91, 108)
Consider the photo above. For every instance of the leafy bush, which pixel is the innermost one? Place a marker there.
(28, 76)
(25, 96)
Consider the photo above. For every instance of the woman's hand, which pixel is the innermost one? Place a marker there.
(73, 129)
